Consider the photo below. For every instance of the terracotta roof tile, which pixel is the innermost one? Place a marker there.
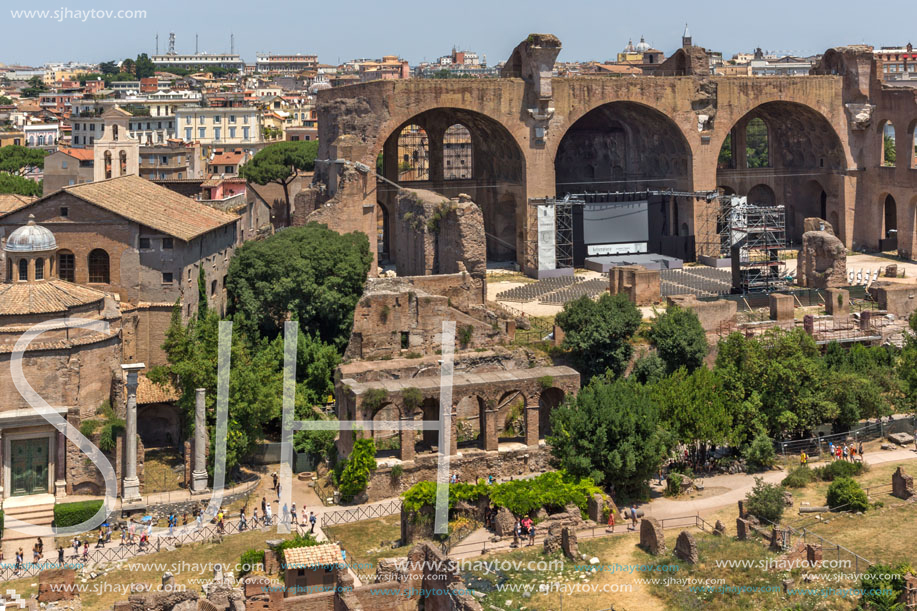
(325, 555)
(152, 205)
(149, 392)
(44, 297)
(11, 201)
(81, 154)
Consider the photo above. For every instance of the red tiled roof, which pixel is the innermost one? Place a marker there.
(81, 154)
(325, 555)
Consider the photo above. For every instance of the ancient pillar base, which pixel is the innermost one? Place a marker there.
(130, 490)
(198, 482)
(60, 489)
(532, 414)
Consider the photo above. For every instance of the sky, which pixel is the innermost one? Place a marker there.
(338, 30)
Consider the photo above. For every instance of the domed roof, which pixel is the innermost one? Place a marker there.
(630, 46)
(319, 86)
(642, 46)
(30, 238)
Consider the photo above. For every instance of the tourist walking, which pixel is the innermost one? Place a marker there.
(268, 517)
(60, 556)
(517, 528)
(611, 521)
(242, 522)
(633, 517)
(311, 522)
(532, 534)
(255, 517)
(263, 505)
(275, 482)
(293, 514)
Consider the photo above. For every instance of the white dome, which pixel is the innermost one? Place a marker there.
(30, 238)
(630, 47)
(642, 46)
(319, 86)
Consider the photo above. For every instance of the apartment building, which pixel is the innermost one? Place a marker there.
(199, 61)
(288, 65)
(219, 126)
(173, 160)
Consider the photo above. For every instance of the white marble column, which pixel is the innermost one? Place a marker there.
(130, 491)
(199, 474)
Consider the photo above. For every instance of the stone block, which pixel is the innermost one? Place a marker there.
(711, 314)
(719, 529)
(837, 302)
(504, 522)
(686, 547)
(895, 297)
(568, 544)
(813, 554)
(742, 529)
(902, 484)
(813, 223)
(641, 285)
(652, 539)
(781, 307)
(62, 580)
(901, 439)
(822, 261)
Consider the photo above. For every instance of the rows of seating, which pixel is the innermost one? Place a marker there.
(535, 290)
(700, 281)
(589, 288)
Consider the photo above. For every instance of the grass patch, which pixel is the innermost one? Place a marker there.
(369, 540)
(162, 470)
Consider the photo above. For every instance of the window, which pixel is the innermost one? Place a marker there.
(216, 133)
(144, 243)
(39, 269)
(405, 340)
(245, 133)
(188, 120)
(92, 127)
(216, 119)
(167, 243)
(63, 164)
(98, 266)
(188, 134)
(165, 160)
(232, 118)
(167, 277)
(245, 119)
(201, 131)
(229, 169)
(232, 132)
(66, 265)
(23, 269)
(213, 288)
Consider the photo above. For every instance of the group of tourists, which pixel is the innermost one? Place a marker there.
(524, 528)
(848, 452)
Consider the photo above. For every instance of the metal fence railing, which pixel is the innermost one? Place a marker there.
(115, 550)
(357, 514)
(871, 430)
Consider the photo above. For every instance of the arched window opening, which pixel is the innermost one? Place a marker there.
(457, 152)
(23, 270)
(757, 144)
(98, 266)
(726, 159)
(107, 164)
(890, 217)
(39, 269)
(889, 154)
(413, 154)
(66, 266)
(122, 158)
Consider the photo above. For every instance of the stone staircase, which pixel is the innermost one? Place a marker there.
(39, 511)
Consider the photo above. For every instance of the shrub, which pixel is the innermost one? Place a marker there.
(397, 471)
(759, 455)
(355, 475)
(799, 477)
(412, 398)
(846, 494)
(374, 398)
(839, 468)
(465, 334)
(71, 514)
(251, 560)
(298, 540)
(545, 382)
(673, 484)
(883, 585)
(765, 501)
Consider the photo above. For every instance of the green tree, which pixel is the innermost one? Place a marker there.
(36, 86)
(144, 67)
(765, 501)
(201, 293)
(311, 272)
(109, 67)
(5, 101)
(360, 463)
(725, 158)
(888, 147)
(845, 494)
(610, 432)
(679, 338)
(648, 369)
(856, 397)
(759, 454)
(19, 185)
(16, 160)
(757, 144)
(279, 163)
(598, 333)
(692, 407)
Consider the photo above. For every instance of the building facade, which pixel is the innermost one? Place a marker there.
(219, 126)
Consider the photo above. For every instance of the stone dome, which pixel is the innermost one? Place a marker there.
(319, 86)
(642, 46)
(630, 47)
(30, 238)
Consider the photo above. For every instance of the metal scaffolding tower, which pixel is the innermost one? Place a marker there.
(756, 236)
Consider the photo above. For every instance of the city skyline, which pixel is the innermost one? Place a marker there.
(489, 29)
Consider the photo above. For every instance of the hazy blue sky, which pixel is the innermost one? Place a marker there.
(338, 30)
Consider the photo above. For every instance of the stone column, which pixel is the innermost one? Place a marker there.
(60, 467)
(130, 491)
(490, 430)
(532, 415)
(453, 437)
(408, 436)
(199, 474)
